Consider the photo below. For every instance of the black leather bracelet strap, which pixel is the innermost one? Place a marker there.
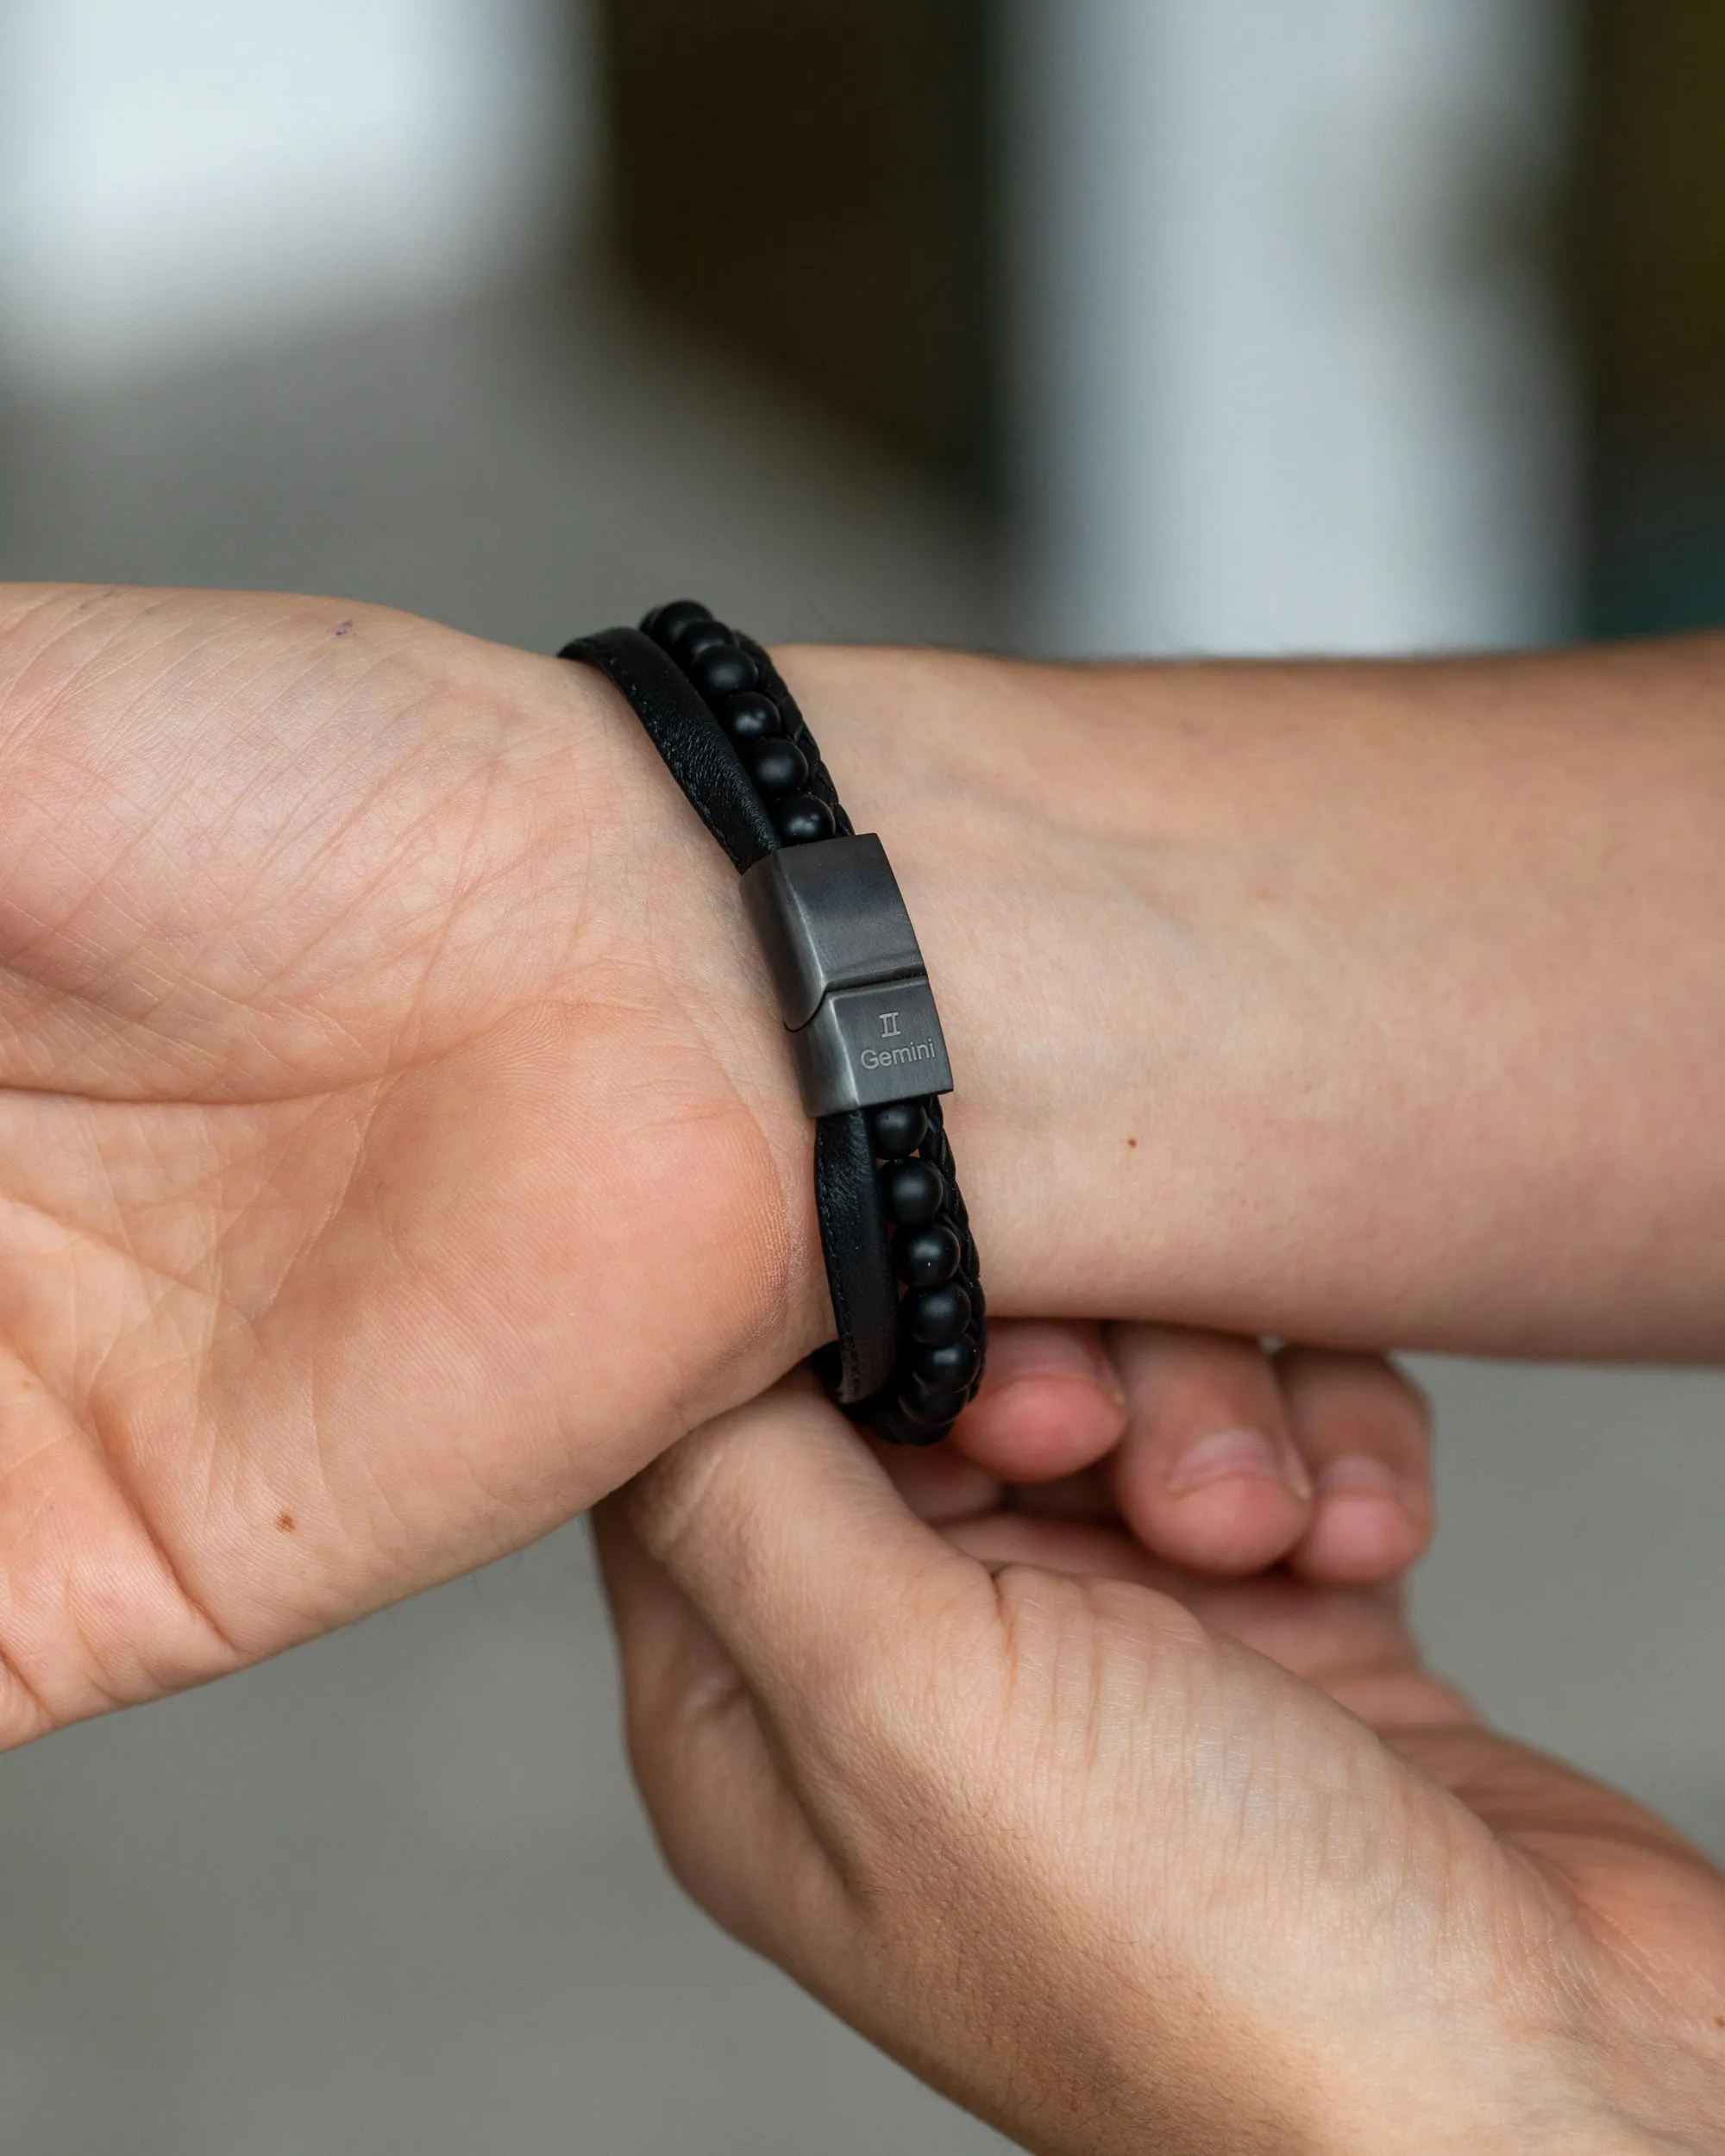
(900, 1260)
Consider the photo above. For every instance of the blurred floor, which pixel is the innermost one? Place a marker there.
(391, 1893)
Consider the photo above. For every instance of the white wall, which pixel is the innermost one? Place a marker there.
(175, 174)
(1287, 380)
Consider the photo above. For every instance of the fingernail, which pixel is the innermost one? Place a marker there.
(1051, 1352)
(1357, 1475)
(1229, 1454)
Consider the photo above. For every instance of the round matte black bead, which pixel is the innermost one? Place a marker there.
(923, 1257)
(900, 1128)
(936, 1316)
(665, 624)
(889, 1422)
(802, 820)
(953, 1368)
(914, 1193)
(751, 716)
(722, 670)
(776, 766)
(930, 1411)
(706, 634)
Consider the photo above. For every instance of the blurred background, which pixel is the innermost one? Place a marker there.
(1076, 326)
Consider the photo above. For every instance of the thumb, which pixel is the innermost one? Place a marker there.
(783, 1531)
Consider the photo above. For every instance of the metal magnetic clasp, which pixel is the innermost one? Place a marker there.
(850, 979)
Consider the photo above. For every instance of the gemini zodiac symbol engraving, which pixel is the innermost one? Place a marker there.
(905, 1052)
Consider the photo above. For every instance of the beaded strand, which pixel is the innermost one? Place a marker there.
(943, 1318)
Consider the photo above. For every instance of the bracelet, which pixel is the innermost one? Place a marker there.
(855, 996)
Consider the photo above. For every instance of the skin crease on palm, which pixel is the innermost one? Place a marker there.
(334, 1108)
(390, 1162)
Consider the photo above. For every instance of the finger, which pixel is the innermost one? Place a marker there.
(1208, 1474)
(1050, 1404)
(1364, 1433)
(779, 1525)
(673, 1669)
(1088, 1495)
(939, 1484)
(730, 1829)
(1352, 1643)
(1082, 1549)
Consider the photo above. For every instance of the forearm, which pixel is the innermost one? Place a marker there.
(1359, 1003)
(401, 1144)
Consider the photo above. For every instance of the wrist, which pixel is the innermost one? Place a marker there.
(1308, 1001)
(664, 936)
(1030, 827)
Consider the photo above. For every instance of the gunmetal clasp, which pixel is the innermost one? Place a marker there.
(850, 978)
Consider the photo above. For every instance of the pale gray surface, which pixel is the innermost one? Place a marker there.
(390, 1896)
(520, 472)
(1579, 1589)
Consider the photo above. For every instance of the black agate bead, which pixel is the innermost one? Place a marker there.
(899, 1129)
(802, 820)
(935, 1317)
(931, 1411)
(889, 1420)
(721, 670)
(952, 1368)
(914, 1193)
(751, 716)
(665, 624)
(925, 1257)
(776, 766)
(702, 635)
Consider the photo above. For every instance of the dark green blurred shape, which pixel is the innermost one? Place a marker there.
(812, 182)
(1649, 277)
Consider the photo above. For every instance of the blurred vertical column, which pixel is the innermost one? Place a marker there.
(1287, 374)
(181, 174)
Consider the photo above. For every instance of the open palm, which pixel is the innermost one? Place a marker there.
(374, 1191)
